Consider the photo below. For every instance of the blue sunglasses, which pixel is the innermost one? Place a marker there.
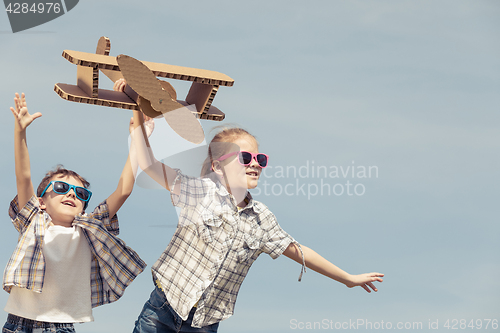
(60, 187)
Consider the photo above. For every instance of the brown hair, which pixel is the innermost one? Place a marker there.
(216, 150)
(59, 170)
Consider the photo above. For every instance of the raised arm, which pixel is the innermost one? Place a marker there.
(127, 177)
(159, 172)
(319, 264)
(22, 119)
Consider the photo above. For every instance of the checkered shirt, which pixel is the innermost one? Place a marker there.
(213, 248)
(114, 265)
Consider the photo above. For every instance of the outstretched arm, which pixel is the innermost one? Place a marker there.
(159, 172)
(319, 264)
(22, 119)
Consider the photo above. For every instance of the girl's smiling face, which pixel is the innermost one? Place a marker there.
(240, 177)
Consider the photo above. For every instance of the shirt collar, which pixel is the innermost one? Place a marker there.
(222, 191)
(251, 203)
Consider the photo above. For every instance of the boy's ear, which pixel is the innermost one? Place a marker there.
(42, 204)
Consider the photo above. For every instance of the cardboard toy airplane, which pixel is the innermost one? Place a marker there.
(144, 91)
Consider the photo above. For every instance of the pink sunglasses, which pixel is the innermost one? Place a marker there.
(245, 158)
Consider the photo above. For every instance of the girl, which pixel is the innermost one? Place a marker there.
(221, 231)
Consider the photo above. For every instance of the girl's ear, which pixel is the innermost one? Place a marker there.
(216, 168)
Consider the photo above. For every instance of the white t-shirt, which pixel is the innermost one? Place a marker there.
(66, 293)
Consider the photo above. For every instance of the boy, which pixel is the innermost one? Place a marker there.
(66, 262)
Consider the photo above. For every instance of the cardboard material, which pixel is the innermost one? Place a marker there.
(199, 94)
(146, 86)
(103, 48)
(160, 70)
(169, 88)
(145, 91)
(115, 99)
(184, 123)
(87, 78)
(109, 98)
(146, 108)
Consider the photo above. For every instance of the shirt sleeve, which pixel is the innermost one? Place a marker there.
(22, 218)
(101, 213)
(278, 239)
(192, 190)
(278, 242)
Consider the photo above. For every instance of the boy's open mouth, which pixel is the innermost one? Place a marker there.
(69, 203)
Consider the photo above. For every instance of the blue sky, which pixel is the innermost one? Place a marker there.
(409, 88)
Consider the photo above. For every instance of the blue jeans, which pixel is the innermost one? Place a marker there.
(157, 316)
(17, 324)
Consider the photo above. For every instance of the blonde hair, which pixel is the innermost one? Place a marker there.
(216, 150)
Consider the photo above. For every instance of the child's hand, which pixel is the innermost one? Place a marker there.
(120, 85)
(23, 118)
(149, 125)
(365, 281)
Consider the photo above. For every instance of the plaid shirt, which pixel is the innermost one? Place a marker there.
(114, 265)
(213, 248)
